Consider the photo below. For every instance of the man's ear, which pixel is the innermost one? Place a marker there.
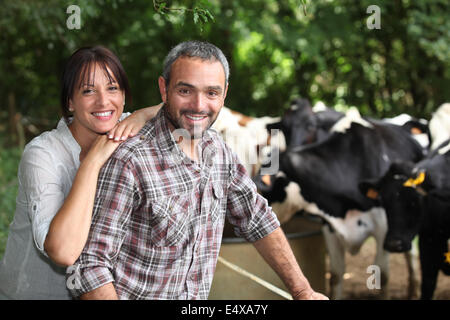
(162, 88)
(225, 92)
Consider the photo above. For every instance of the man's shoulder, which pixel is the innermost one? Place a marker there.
(142, 143)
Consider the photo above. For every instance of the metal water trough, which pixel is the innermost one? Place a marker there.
(306, 240)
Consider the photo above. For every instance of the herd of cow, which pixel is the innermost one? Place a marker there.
(364, 177)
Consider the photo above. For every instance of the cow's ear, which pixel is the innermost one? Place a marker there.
(369, 189)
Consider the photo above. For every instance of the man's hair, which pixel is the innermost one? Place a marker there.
(195, 49)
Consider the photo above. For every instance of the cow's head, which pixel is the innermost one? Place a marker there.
(272, 187)
(400, 193)
(282, 194)
(299, 123)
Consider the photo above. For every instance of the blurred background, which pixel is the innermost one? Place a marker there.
(323, 50)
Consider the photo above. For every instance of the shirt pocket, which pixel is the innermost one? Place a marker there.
(218, 203)
(169, 220)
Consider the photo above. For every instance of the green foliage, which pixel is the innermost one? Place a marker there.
(9, 159)
(277, 49)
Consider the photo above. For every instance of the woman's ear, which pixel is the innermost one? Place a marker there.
(71, 105)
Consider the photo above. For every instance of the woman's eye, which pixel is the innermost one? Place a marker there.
(113, 88)
(87, 91)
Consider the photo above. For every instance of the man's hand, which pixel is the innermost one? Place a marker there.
(275, 250)
(310, 295)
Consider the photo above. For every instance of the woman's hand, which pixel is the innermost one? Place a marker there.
(101, 149)
(131, 125)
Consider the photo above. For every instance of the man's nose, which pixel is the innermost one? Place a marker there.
(198, 103)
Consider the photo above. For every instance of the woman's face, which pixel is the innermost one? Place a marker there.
(98, 105)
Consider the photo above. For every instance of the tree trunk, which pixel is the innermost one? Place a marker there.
(16, 131)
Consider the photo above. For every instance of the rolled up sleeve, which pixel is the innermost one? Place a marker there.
(43, 191)
(113, 205)
(247, 210)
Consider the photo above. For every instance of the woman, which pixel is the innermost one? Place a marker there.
(58, 176)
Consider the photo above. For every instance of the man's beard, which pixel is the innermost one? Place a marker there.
(195, 132)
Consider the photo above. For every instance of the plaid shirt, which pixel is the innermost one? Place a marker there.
(158, 216)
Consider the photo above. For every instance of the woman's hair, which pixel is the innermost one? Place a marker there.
(78, 71)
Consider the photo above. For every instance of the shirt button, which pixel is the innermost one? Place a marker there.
(142, 137)
(193, 277)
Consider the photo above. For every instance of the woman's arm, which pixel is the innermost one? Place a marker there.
(69, 228)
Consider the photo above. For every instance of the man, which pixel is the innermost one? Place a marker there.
(162, 197)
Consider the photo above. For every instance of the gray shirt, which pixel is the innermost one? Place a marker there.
(46, 172)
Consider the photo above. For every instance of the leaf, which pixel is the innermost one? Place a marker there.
(195, 17)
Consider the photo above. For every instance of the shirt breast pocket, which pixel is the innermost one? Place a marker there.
(218, 203)
(169, 221)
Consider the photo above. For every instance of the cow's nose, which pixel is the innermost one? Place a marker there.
(394, 245)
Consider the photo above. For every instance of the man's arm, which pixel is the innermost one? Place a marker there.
(115, 200)
(276, 251)
(106, 292)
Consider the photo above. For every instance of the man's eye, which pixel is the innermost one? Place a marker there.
(184, 91)
(213, 93)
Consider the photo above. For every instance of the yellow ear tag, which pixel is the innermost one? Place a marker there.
(447, 257)
(415, 182)
(372, 193)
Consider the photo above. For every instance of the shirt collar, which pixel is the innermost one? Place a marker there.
(69, 140)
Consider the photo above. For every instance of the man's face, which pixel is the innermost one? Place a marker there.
(194, 95)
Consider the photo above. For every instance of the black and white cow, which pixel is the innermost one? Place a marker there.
(418, 128)
(323, 179)
(248, 137)
(440, 125)
(416, 198)
(301, 124)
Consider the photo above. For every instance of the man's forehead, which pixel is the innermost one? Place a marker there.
(190, 67)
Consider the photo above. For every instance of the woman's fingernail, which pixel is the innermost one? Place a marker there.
(110, 136)
(123, 138)
(116, 139)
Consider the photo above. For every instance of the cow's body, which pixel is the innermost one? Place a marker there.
(327, 174)
(440, 125)
(417, 201)
(248, 137)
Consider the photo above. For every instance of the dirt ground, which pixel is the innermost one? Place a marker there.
(355, 277)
